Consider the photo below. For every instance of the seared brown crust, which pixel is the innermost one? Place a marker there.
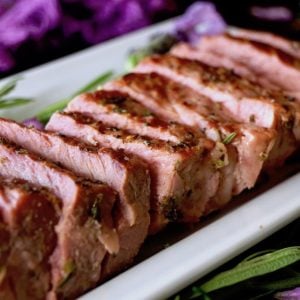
(178, 171)
(173, 101)
(253, 60)
(125, 173)
(288, 46)
(244, 100)
(282, 56)
(83, 239)
(31, 214)
(118, 109)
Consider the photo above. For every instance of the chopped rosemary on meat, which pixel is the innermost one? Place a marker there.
(170, 209)
(219, 156)
(252, 119)
(94, 209)
(229, 138)
(69, 270)
(219, 164)
(147, 114)
(120, 110)
(147, 142)
(22, 151)
(263, 156)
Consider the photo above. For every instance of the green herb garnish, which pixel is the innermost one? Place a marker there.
(229, 138)
(94, 211)
(158, 45)
(11, 101)
(69, 270)
(46, 113)
(263, 156)
(253, 267)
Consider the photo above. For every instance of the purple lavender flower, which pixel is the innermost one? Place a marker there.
(288, 295)
(28, 20)
(23, 21)
(200, 19)
(109, 19)
(33, 122)
(5, 5)
(6, 60)
(273, 13)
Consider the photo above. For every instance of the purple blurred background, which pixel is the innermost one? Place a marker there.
(35, 31)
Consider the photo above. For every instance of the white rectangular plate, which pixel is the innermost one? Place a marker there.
(194, 252)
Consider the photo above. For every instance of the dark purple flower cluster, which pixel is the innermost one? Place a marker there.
(24, 20)
(272, 13)
(93, 20)
(200, 19)
(289, 295)
(106, 19)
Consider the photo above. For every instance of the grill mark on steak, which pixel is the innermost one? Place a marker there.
(82, 240)
(244, 100)
(256, 61)
(276, 41)
(130, 115)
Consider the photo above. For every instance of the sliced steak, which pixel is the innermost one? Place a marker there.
(85, 230)
(173, 101)
(5, 240)
(256, 61)
(6, 291)
(182, 178)
(125, 173)
(31, 214)
(279, 42)
(118, 109)
(245, 101)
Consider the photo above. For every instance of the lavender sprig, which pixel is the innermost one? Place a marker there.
(288, 295)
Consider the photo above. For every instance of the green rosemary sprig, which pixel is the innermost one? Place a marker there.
(9, 102)
(44, 115)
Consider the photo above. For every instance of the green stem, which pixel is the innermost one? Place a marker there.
(44, 115)
(254, 267)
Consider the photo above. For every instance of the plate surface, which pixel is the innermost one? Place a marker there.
(191, 252)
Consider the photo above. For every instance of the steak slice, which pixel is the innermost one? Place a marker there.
(289, 46)
(119, 110)
(31, 214)
(5, 244)
(173, 101)
(182, 177)
(85, 230)
(256, 61)
(246, 102)
(125, 173)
